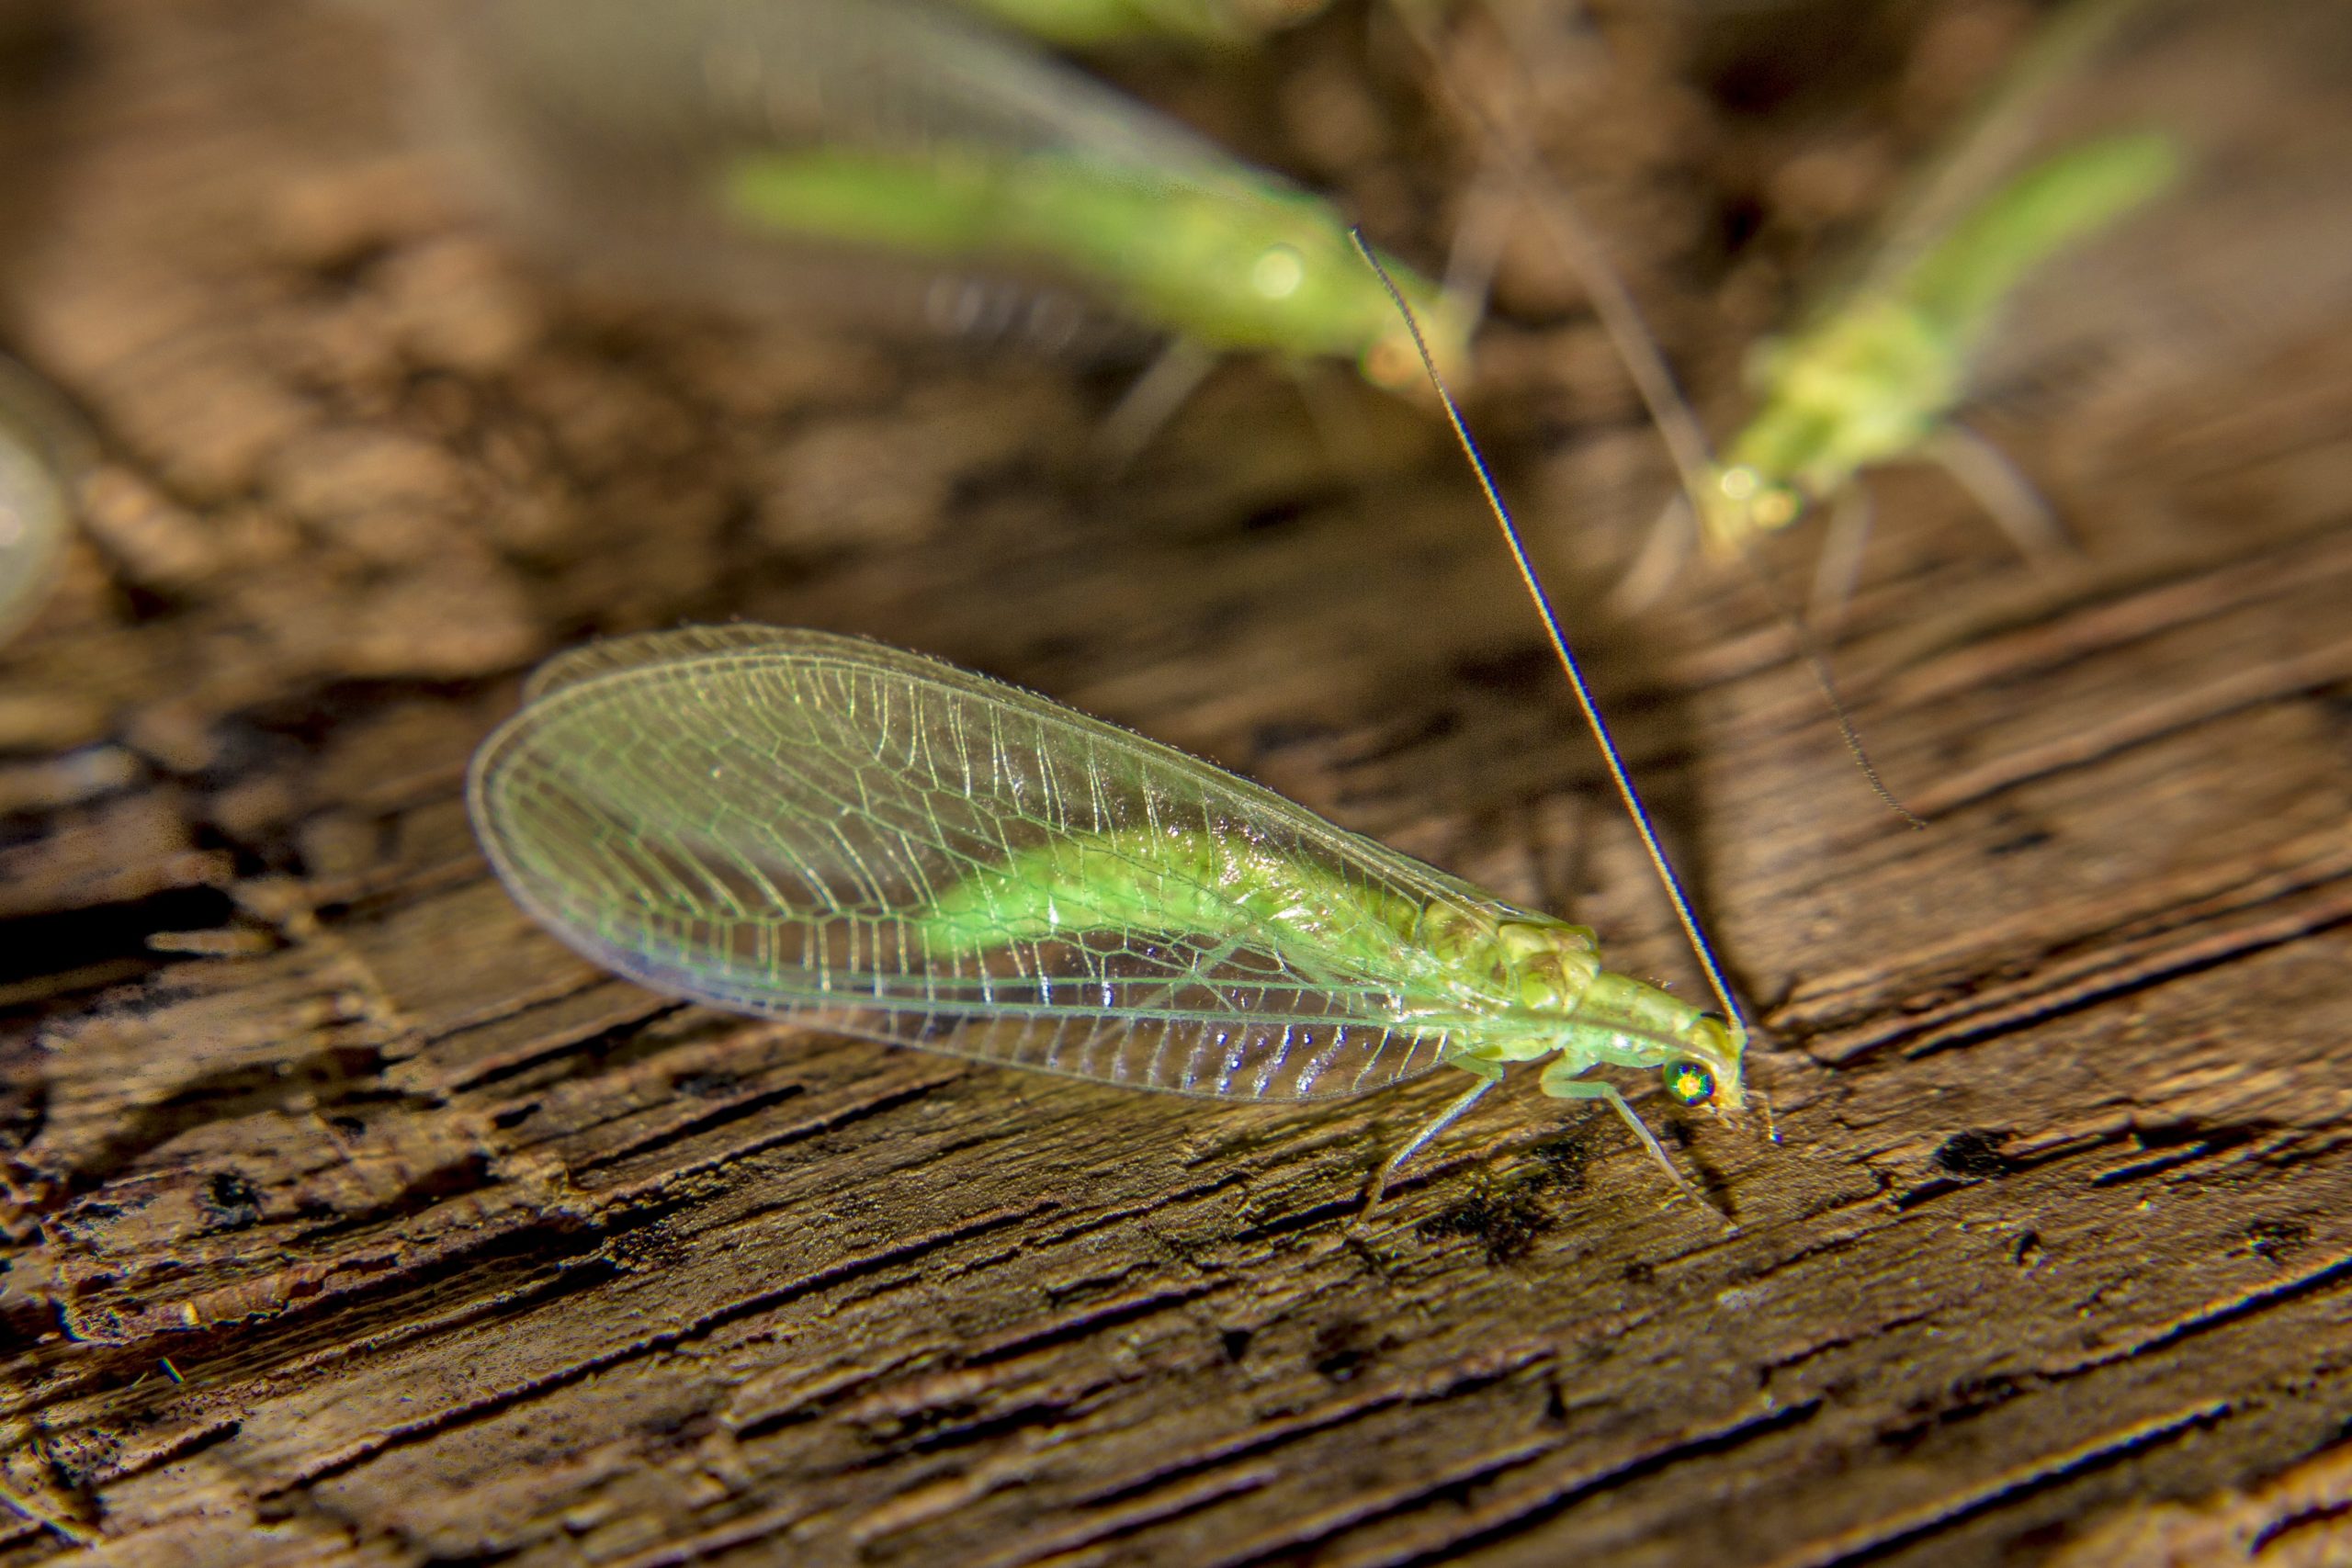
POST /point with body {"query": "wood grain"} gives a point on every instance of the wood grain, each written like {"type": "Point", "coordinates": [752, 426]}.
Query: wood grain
{"type": "Point", "coordinates": [351, 1220]}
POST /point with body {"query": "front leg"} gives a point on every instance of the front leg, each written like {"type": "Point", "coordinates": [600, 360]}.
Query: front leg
{"type": "Point", "coordinates": [1662, 556]}
{"type": "Point", "coordinates": [1560, 1082]}
{"type": "Point", "coordinates": [1840, 566]}
{"type": "Point", "coordinates": [1984, 471]}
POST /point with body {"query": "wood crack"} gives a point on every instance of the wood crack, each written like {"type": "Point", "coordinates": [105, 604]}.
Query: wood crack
{"type": "Point", "coordinates": [475, 1411]}
{"type": "Point", "coordinates": [1883, 1535]}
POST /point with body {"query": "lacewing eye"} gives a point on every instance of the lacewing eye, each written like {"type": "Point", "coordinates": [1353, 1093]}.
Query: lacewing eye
{"type": "Point", "coordinates": [1690, 1083]}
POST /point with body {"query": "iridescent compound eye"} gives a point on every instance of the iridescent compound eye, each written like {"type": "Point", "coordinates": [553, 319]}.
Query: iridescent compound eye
{"type": "Point", "coordinates": [1690, 1083]}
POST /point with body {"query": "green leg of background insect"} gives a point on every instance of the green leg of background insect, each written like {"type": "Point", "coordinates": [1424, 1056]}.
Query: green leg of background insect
{"type": "Point", "coordinates": [1664, 551]}
{"type": "Point", "coordinates": [1840, 566]}
{"type": "Point", "coordinates": [1560, 1082]}
{"type": "Point", "coordinates": [1147, 406]}
{"type": "Point", "coordinates": [1986, 474]}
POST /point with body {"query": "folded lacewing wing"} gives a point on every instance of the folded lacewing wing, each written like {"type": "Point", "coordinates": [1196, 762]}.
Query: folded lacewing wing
{"type": "Point", "coordinates": [1082, 24]}
{"type": "Point", "coordinates": [44, 451]}
{"type": "Point", "coordinates": [896, 158]}
{"type": "Point", "coordinates": [2154, 184]}
{"type": "Point", "coordinates": [802, 824]}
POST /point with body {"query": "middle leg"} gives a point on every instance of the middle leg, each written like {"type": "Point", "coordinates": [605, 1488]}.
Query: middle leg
{"type": "Point", "coordinates": [1488, 1074]}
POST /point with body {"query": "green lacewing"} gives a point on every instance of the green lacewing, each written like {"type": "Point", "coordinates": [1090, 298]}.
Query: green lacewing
{"type": "Point", "coordinates": [1881, 364]}
{"type": "Point", "coordinates": [796, 824]}
{"type": "Point", "coordinates": [849, 149]}
{"type": "Point", "coordinates": [1878, 378]}
{"type": "Point", "coordinates": [2178, 164]}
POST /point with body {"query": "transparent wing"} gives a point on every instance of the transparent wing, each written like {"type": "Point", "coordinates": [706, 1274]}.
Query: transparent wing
{"type": "Point", "coordinates": [607, 655]}
{"type": "Point", "coordinates": [760, 818]}
{"type": "Point", "coordinates": [598, 126]}
{"type": "Point", "coordinates": [900, 74]}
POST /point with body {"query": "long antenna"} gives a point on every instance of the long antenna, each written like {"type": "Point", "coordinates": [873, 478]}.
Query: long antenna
{"type": "Point", "coordinates": [1534, 585]}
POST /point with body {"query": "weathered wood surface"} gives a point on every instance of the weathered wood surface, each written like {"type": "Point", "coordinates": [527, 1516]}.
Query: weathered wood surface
{"type": "Point", "coordinates": [352, 1220]}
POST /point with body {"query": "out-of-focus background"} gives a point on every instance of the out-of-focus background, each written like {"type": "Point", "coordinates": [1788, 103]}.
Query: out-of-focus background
{"type": "Point", "coordinates": [349, 1218]}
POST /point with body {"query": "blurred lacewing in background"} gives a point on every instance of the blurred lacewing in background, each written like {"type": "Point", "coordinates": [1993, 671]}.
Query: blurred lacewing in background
{"type": "Point", "coordinates": [2132, 199]}
{"type": "Point", "coordinates": [897, 159]}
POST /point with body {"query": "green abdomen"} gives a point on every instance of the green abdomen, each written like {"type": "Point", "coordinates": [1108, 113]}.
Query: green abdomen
{"type": "Point", "coordinates": [1523, 973]}
{"type": "Point", "coordinates": [2072, 194]}
{"type": "Point", "coordinates": [1185, 883]}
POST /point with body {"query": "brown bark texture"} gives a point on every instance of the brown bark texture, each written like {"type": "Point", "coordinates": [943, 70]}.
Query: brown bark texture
{"type": "Point", "coordinates": [350, 1219]}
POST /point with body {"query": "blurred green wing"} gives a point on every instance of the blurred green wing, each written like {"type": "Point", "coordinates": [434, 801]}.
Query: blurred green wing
{"type": "Point", "coordinates": [2001, 137]}
{"type": "Point", "coordinates": [873, 74]}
